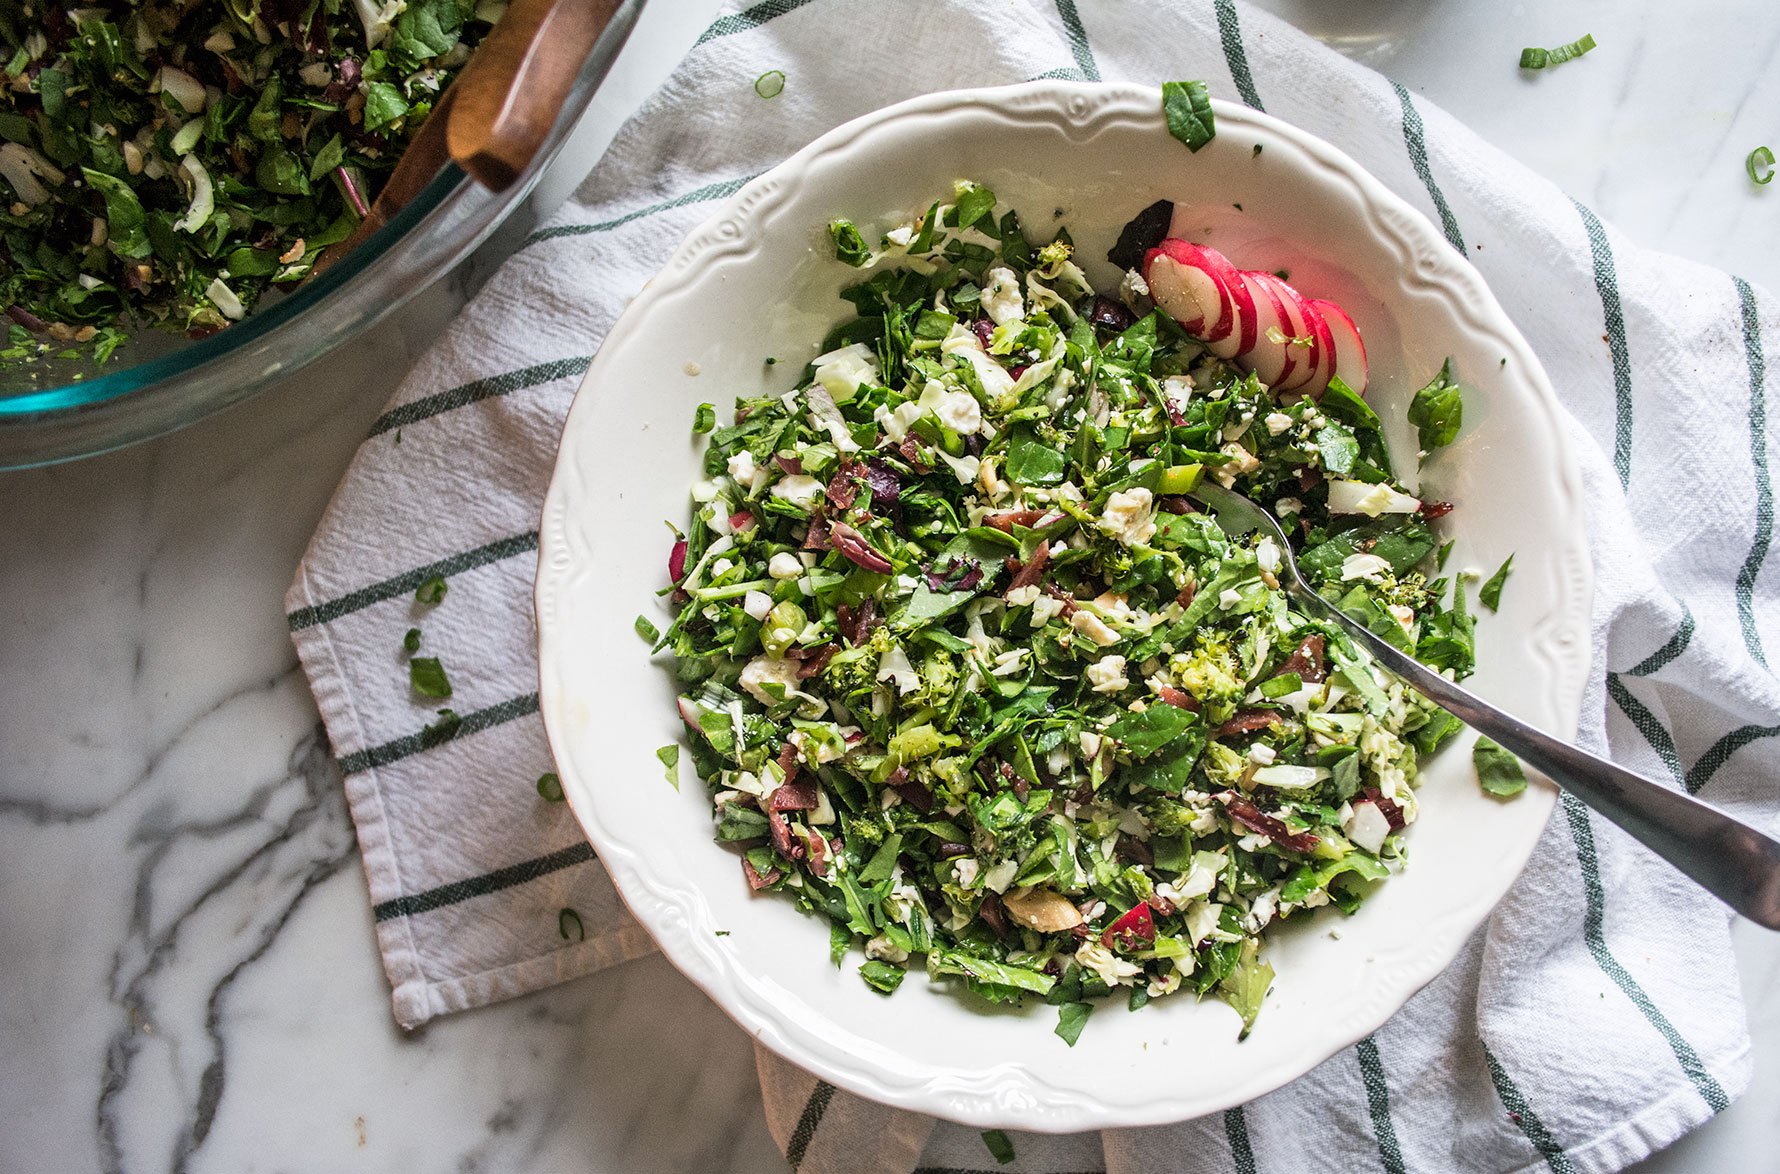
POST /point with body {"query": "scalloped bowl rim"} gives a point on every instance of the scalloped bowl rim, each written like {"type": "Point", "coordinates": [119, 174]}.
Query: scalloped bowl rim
{"type": "Point", "coordinates": [677, 915]}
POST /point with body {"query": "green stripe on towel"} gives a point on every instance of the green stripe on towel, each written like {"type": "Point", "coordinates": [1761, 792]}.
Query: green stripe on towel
{"type": "Point", "coordinates": [711, 191]}
{"type": "Point", "coordinates": [1235, 56]}
{"type": "Point", "coordinates": [1613, 316]}
{"type": "Point", "coordinates": [748, 18]}
{"type": "Point", "coordinates": [411, 744]}
{"type": "Point", "coordinates": [494, 385]}
{"type": "Point", "coordinates": [1524, 1119]}
{"type": "Point", "coordinates": [481, 886]}
{"type": "Point", "coordinates": [1701, 772]}
{"type": "Point", "coordinates": [407, 581]}
{"type": "Point", "coordinates": [1677, 644]}
{"type": "Point", "coordinates": [1415, 139]}
{"type": "Point", "coordinates": [1242, 1155]}
{"type": "Point", "coordinates": [808, 1123]}
{"type": "Point", "coordinates": [1646, 724]}
{"type": "Point", "coordinates": [1582, 832]}
{"type": "Point", "coordinates": [1758, 452]}
{"type": "Point", "coordinates": [1078, 40]}
{"type": "Point", "coordinates": [1378, 1103]}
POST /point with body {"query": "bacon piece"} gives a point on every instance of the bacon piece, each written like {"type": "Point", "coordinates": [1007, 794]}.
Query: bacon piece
{"type": "Point", "coordinates": [1179, 698]}
{"type": "Point", "coordinates": [1110, 315]}
{"type": "Point", "coordinates": [784, 843]}
{"type": "Point", "coordinates": [1134, 927]}
{"type": "Point", "coordinates": [1174, 503]}
{"type": "Point", "coordinates": [757, 882]}
{"type": "Point", "coordinates": [1436, 509]}
{"type": "Point", "coordinates": [843, 487]}
{"type": "Point", "coordinates": [812, 660]}
{"type": "Point", "coordinates": [857, 623]}
{"type": "Point", "coordinates": [1187, 594]}
{"type": "Point", "coordinates": [1027, 575]}
{"type": "Point", "coordinates": [818, 856]}
{"type": "Point", "coordinates": [993, 915]}
{"type": "Point", "coordinates": [1256, 820]}
{"type": "Point", "coordinates": [852, 544]}
{"type": "Point", "coordinates": [911, 451]}
{"type": "Point", "coordinates": [1056, 592]}
{"type": "Point", "coordinates": [817, 537]}
{"type": "Point", "coordinates": [788, 465]}
{"type": "Point", "coordinates": [1309, 479]}
{"type": "Point", "coordinates": [788, 760]}
{"type": "Point", "coordinates": [1393, 814]}
{"type": "Point", "coordinates": [796, 793]}
{"type": "Point", "coordinates": [883, 482]}
{"type": "Point", "coordinates": [1005, 522]}
{"type": "Point", "coordinates": [1306, 660]}
{"type": "Point", "coordinates": [1247, 721]}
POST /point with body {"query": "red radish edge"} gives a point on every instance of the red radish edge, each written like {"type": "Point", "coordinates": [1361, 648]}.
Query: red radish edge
{"type": "Point", "coordinates": [1344, 331]}
{"type": "Point", "coordinates": [1268, 360]}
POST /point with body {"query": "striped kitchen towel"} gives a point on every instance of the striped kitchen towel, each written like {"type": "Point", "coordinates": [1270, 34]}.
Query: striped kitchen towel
{"type": "Point", "coordinates": [1594, 1018]}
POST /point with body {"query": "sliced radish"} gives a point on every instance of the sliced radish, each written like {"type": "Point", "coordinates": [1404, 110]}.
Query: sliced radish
{"type": "Point", "coordinates": [1306, 323]}
{"type": "Point", "coordinates": [1195, 287]}
{"type": "Point", "coordinates": [1269, 360]}
{"type": "Point", "coordinates": [1246, 321]}
{"type": "Point", "coordinates": [1185, 292]}
{"type": "Point", "coordinates": [1350, 351]}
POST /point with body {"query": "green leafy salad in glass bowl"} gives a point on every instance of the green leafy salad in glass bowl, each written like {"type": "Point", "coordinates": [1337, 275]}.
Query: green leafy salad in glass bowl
{"type": "Point", "coordinates": [968, 673]}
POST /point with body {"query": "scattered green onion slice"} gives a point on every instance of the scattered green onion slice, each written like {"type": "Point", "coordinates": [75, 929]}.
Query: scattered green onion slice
{"type": "Point", "coordinates": [770, 84]}
{"type": "Point", "coordinates": [411, 641]}
{"type": "Point", "coordinates": [1760, 165]}
{"type": "Point", "coordinates": [999, 1145]}
{"type": "Point", "coordinates": [704, 419]}
{"type": "Point", "coordinates": [648, 631]}
{"type": "Point", "coordinates": [550, 787]}
{"type": "Point", "coordinates": [431, 591]}
{"type": "Point", "coordinates": [568, 918]}
{"type": "Point", "coordinates": [1543, 58]}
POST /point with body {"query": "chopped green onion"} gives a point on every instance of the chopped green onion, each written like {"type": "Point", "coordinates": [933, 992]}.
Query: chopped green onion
{"type": "Point", "coordinates": [1760, 165]}
{"type": "Point", "coordinates": [411, 642]}
{"type": "Point", "coordinates": [431, 591]}
{"type": "Point", "coordinates": [567, 918]}
{"type": "Point", "coordinates": [1542, 58]}
{"type": "Point", "coordinates": [1187, 108]}
{"type": "Point", "coordinates": [999, 1146]}
{"type": "Point", "coordinates": [849, 246]}
{"type": "Point", "coordinates": [770, 84]}
{"type": "Point", "coordinates": [648, 631]}
{"type": "Point", "coordinates": [704, 419]}
{"type": "Point", "coordinates": [550, 787]}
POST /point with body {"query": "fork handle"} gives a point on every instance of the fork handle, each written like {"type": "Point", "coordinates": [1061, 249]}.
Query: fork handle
{"type": "Point", "coordinates": [1730, 859]}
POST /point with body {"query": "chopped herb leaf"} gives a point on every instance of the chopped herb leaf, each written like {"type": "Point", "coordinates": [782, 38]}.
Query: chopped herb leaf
{"type": "Point", "coordinates": [442, 730]}
{"type": "Point", "coordinates": [427, 676]}
{"type": "Point", "coordinates": [1437, 411]}
{"type": "Point", "coordinates": [431, 591]}
{"type": "Point", "coordinates": [1491, 593]}
{"type": "Point", "coordinates": [1498, 771]}
{"type": "Point", "coordinates": [670, 761]}
{"type": "Point", "coordinates": [1187, 107]}
{"type": "Point", "coordinates": [881, 976]}
{"type": "Point", "coordinates": [999, 1146]}
{"type": "Point", "coordinates": [1071, 1018]}
{"type": "Point", "coordinates": [550, 787]}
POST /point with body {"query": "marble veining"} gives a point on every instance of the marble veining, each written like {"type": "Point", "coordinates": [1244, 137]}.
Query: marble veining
{"type": "Point", "coordinates": [188, 975]}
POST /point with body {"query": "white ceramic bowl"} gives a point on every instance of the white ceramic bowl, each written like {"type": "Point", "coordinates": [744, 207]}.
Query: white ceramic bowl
{"type": "Point", "coordinates": [759, 279]}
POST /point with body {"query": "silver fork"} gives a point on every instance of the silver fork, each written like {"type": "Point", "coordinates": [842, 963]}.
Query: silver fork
{"type": "Point", "coordinates": [1725, 856]}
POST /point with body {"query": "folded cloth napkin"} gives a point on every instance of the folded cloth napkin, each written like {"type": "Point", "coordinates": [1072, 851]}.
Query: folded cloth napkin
{"type": "Point", "coordinates": [1593, 1019]}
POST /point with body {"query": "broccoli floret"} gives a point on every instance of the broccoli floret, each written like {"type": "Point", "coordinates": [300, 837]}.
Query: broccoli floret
{"type": "Point", "coordinates": [1209, 671]}
{"type": "Point", "coordinates": [1223, 766]}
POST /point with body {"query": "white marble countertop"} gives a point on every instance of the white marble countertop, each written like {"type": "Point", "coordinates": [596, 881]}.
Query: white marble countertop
{"type": "Point", "coordinates": [188, 979]}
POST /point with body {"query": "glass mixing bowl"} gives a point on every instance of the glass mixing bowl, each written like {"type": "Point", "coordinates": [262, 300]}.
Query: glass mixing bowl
{"type": "Point", "coordinates": [159, 382]}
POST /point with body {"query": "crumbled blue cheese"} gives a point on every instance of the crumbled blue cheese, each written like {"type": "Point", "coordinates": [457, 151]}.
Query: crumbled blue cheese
{"type": "Point", "coordinates": [1361, 565]}
{"type": "Point", "coordinates": [1277, 422]}
{"type": "Point", "coordinates": [764, 671]}
{"type": "Point", "coordinates": [1130, 516]}
{"type": "Point", "coordinates": [1357, 497]}
{"type": "Point", "coordinates": [1112, 969]}
{"type": "Point", "coordinates": [1093, 627]}
{"type": "Point", "coordinates": [758, 605]}
{"type": "Point", "coordinates": [1023, 596]}
{"type": "Point", "coordinates": [798, 489]}
{"type": "Point", "coordinates": [1001, 297]}
{"type": "Point", "coordinates": [746, 473]}
{"type": "Point", "coordinates": [1107, 675]}
{"type": "Point", "coordinates": [784, 565]}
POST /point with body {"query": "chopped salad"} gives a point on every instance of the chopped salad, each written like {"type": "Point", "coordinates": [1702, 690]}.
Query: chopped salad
{"type": "Point", "coordinates": [969, 675]}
